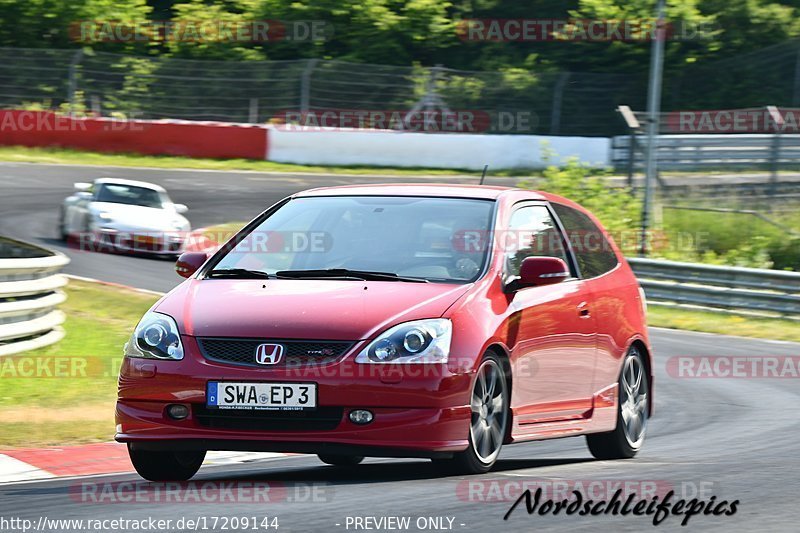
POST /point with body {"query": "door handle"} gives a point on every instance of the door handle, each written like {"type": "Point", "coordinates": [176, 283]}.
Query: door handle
{"type": "Point", "coordinates": [583, 310]}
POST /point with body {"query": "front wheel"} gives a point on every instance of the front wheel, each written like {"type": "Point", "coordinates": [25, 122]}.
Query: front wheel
{"type": "Point", "coordinates": [167, 465]}
{"type": "Point", "coordinates": [632, 410]}
{"type": "Point", "coordinates": [489, 420]}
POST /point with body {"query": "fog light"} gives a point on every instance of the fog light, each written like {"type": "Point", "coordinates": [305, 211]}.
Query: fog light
{"type": "Point", "coordinates": [361, 416]}
{"type": "Point", "coordinates": [177, 411]}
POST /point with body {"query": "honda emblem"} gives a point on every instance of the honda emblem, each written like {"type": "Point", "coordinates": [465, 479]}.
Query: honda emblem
{"type": "Point", "coordinates": [269, 354]}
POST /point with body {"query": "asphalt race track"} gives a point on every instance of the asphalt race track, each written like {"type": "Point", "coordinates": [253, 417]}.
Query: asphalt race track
{"type": "Point", "coordinates": [734, 439]}
{"type": "Point", "coordinates": [30, 196]}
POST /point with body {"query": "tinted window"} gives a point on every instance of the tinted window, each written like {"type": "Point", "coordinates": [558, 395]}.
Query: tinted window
{"type": "Point", "coordinates": [116, 193]}
{"type": "Point", "coordinates": [592, 250]}
{"type": "Point", "coordinates": [409, 236]}
{"type": "Point", "coordinates": [531, 232]}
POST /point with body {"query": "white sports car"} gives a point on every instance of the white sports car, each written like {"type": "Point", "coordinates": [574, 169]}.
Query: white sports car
{"type": "Point", "coordinates": [124, 215]}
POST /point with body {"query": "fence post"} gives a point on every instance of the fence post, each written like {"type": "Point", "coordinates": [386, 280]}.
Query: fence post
{"type": "Point", "coordinates": [72, 86]}
{"type": "Point", "coordinates": [631, 158]}
{"type": "Point", "coordinates": [796, 87]}
{"type": "Point", "coordinates": [305, 86]}
{"type": "Point", "coordinates": [95, 104]}
{"type": "Point", "coordinates": [253, 114]}
{"type": "Point", "coordinates": [558, 98]}
{"type": "Point", "coordinates": [633, 126]}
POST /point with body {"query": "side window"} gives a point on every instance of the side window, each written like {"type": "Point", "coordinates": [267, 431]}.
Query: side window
{"type": "Point", "coordinates": [592, 250]}
{"type": "Point", "coordinates": [531, 232]}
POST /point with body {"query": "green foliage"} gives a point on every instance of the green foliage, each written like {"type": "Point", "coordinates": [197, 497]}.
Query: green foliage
{"type": "Point", "coordinates": [617, 208]}
{"type": "Point", "coordinates": [404, 32]}
{"type": "Point", "coordinates": [738, 239]}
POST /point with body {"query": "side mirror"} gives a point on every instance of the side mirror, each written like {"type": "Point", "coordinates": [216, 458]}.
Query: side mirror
{"type": "Point", "coordinates": [189, 263]}
{"type": "Point", "coordinates": [82, 186]}
{"type": "Point", "coordinates": [536, 271]}
{"type": "Point", "coordinates": [180, 208]}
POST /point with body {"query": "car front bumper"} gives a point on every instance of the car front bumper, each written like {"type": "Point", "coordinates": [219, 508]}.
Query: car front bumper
{"type": "Point", "coordinates": [419, 410]}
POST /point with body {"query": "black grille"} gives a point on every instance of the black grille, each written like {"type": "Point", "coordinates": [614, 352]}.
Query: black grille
{"type": "Point", "coordinates": [320, 419]}
{"type": "Point", "coordinates": [296, 353]}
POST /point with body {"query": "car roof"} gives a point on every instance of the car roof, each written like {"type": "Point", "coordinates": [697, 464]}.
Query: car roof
{"type": "Point", "coordinates": [132, 183]}
{"type": "Point", "coordinates": [445, 190]}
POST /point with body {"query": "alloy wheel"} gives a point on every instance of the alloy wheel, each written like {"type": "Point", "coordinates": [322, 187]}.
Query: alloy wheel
{"type": "Point", "coordinates": [633, 399]}
{"type": "Point", "coordinates": [489, 413]}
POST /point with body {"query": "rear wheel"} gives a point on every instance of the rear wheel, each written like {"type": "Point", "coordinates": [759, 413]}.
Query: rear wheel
{"type": "Point", "coordinates": [489, 420]}
{"type": "Point", "coordinates": [166, 465]}
{"type": "Point", "coordinates": [627, 438]}
{"type": "Point", "coordinates": [340, 460]}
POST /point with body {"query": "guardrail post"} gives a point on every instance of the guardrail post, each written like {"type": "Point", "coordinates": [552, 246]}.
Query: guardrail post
{"type": "Point", "coordinates": [775, 153]}
{"type": "Point", "coordinates": [631, 158]}
{"type": "Point", "coordinates": [72, 87]}
{"type": "Point", "coordinates": [776, 162]}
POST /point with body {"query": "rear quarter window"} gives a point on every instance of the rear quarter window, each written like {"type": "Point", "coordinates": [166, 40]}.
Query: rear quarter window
{"type": "Point", "coordinates": [593, 251]}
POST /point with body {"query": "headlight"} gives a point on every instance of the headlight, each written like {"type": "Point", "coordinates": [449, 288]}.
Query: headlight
{"type": "Point", "coordinates": [104, 217]}
{"type": "Point", "coordinates": [420, 341]}
{"type": "Point", "coordinates": [155, 337]}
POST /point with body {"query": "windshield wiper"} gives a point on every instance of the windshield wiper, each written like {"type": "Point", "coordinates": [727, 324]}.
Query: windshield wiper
{"type": "Point", "coordinates": [238, 273]}
{"type": "Point", "coordinates": [365, 275]}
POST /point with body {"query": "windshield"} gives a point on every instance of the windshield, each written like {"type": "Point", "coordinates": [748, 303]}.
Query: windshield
{"type": "Point", "coordinates": [406, 236]}
{"type": "Point", "coordinates": [128, 194]}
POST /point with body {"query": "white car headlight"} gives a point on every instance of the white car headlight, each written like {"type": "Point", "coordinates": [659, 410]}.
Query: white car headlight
{"type": "Point", "coordinates": [420, 341]}
{"type": "Point", "coordinates": [155, 337]}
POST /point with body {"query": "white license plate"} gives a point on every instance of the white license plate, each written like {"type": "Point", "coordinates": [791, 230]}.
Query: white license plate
{"type": "Point", "coordinates": [261, 396]}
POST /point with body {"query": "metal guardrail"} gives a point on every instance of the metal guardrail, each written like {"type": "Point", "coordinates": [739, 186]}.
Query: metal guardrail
{"type": "Point", "coordinates": [701, 152]}
{"type": "Point", "coordinates": [719, 287]}
{"type": "Point", "coordinates": [30, 292]}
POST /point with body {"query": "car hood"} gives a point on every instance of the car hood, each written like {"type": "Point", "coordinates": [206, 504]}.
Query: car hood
{"type": "Point", "coordinates": [303, 309]}
{"type": "Point", "coordinates": [138, 216]}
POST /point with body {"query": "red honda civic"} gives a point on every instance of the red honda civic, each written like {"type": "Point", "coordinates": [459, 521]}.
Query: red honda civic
{"type": "Point", "coordinates": [438, 321]}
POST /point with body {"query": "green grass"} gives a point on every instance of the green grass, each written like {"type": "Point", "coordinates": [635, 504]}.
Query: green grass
{"type": "Point", "coordinates": [22, 154]}
{"type": "Point", "coordinates": [55, 410]}
{"type": "Point", "coordinates": [723, 323]}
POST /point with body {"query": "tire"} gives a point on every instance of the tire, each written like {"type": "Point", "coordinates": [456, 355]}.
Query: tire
{"type": "Point", "coordinates": [489, 402]}
{"type": "Point", "coordinates": [340, 460]}
{"type": "Point", "coordinates": [166, 466]}
{"type": "Point", "coordinates": [625, 441]}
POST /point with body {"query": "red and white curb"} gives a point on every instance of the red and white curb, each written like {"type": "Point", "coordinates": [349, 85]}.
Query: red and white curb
{"type": "Point", "coordinates": [30, 464]}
